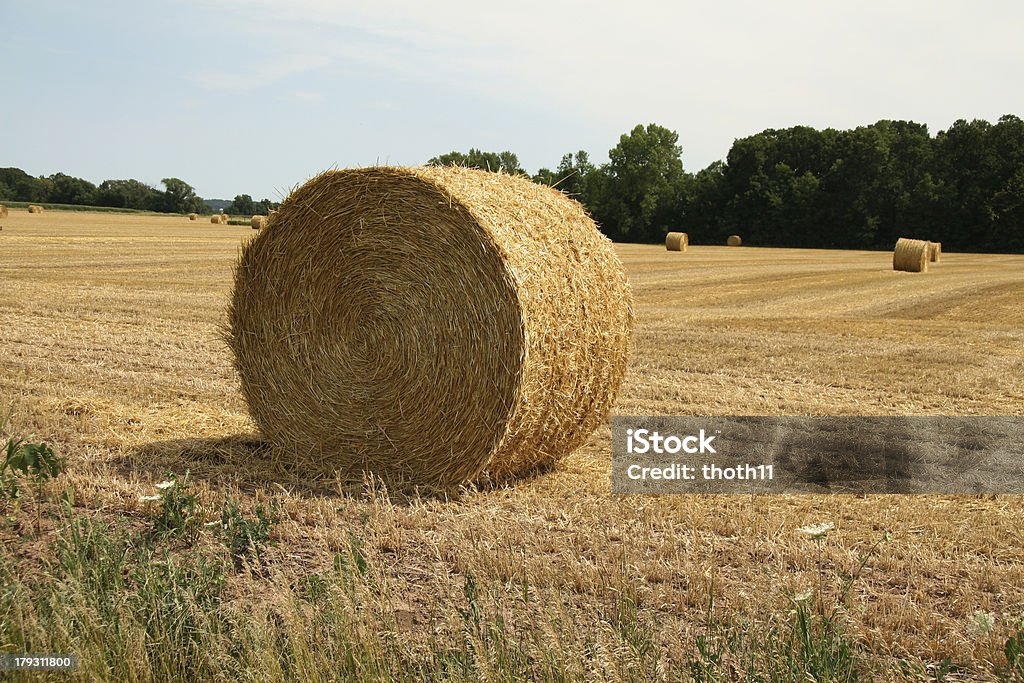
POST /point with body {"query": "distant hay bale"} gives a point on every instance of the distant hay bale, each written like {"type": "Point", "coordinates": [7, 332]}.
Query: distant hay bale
{"type": "Point", "coordinates": [677, 241]}
{"type": "Point", "coordinates": [193, 216]}
{"type": "Point", "coordinates": [216, 219]}
{"type": "Point", "coordinates": [258, 222]}
{"type": "Point", "coordinates": [33, 208]}
{"type": "Point", "coordinates": [430, 325]}
{"type": "Point", "coordinates": [734, 241]}
{"type": "Point", "coordinates": [910, 255]}
{"type": "Point", "coordinates": [935, 251]}
{"type": "Point", "coordinates": [3, 211]}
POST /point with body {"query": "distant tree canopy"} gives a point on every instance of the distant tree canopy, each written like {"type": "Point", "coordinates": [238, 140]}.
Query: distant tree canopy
{"type": "Point", "coordinates": [802, 187]}
{"type": "Point", "coordinates": [125, 194]}
{"type": "Point", "coordinates": [865, 187]}
{"type": "Point", "coordinates": [176, 197]}
{"type": "Point", "coordinates": [637, 196]}
{"type": "Point", "coordinates": [506, 161]}
{"type": "Point", "coordinates": [59, 188]}
{"type": "Point", "coordinates": [243, 205]}
{"type": "Point", "coordinates": [179, 197]}
{"type": "Point", "coordinates": [792, 187]}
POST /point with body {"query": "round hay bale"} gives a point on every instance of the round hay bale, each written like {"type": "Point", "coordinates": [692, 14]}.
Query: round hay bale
{"type": "Point", "coordinates": [935, 251]}
{"type": "Point", "coordinates": [33, 208]}
{"type": "Point", "coordinates": [677, 241]}
{"type": "Point", "coordinates": [734, 241]}
{"type": "Point", "coordinates": [910, 255]}
{"type": "Point", "coordinates": [216, 219]}
{"type": "Point", "coordinates": [430, 325]}
{"type": "Point", "coordinates": [193, 216]}
{"type": "Point", "coordinates": [258, 222]}
{"type": "Point", "coordinates": [3, 211]}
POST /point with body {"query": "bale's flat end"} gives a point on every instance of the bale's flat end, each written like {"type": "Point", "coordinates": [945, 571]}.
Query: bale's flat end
{"type": "Point", "coordinates": [429, 325]}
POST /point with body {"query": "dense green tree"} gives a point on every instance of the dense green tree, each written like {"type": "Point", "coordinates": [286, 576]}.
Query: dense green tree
{"type": "Point", "coordinates": [506, 161]}
{"type": "Point", "coordinates": [180, 197]}
{"type": "Point", "coordinates": [16, 185]}
{"type": "Point", "coordinates": [242, 205]}
{"type": "Point", "coordinates": [65, 189]}
{"type": "Point", "coordinates": [265, 206]}
{"type": "Point", "coordinates": [573, 173]}
{"type": "Point", "coordinates": [126, 194]}
{"type": "Point", "coordinates": [637, 196]}
{"type": "Point", "coordinates": [545, 176]}
{"type": "Point", "coordinates": [1005, 204]}
{"type": "Point", "coordinates": [704, 198]}
{"type": "Point", "coordinates": [570, 177]}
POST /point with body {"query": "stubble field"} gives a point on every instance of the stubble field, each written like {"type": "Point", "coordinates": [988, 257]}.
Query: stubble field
{"type": "Point", "coordinates": [111, 350]}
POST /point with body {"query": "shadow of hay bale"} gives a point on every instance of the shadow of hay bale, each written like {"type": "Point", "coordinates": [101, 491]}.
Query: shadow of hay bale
{"type": "Point", "coordinates": [239, 458]}
{"type": "Point", "coordinates": [249, 462]}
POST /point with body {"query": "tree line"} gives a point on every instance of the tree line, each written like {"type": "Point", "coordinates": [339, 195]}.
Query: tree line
{"type": "Point", "coordinates": [801, 187]}
{"type": "Point", "coordinates": [793, 187]}
{"type": "Point", "coordinates": [177, 196]}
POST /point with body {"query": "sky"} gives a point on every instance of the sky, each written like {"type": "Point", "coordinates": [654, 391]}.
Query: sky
{"type": "Point", "coordinates": [256, 96]}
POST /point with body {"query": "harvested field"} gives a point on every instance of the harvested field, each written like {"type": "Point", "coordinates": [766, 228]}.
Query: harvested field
{"type": "Point", "coordinates": [111, 350]}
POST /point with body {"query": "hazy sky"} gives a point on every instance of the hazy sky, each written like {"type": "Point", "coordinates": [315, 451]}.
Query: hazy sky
{"type": "Point", "coordinates": [254, 96]}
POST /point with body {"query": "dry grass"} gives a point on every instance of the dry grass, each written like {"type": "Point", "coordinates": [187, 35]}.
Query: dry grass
{"type": "Point", "coordinates": [734, 241]}
{"type": "Point", "coordinates": [110, 349]}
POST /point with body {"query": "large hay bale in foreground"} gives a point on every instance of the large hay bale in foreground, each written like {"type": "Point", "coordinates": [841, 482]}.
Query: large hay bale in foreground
{"type": "Point", "coordinates": [258, 222]}
{"type": "Point", "coordinates": [677, 241]}
{"type": "Point", "coordinates": [910, 255]}
{"type": "Point", "coordinates": [734, 241]}
{"type": "Point", "coordinates": [429, 325]}
{"type": "Point", "coordinates": [935, 251]}
{"type": "Point", "coordinates": [33, 208]}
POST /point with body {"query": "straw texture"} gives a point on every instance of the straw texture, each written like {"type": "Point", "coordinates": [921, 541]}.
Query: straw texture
{"type": "Point", "coordinates": [430, 325]}
{"type": "Point", "coordinates": [935, 251]}
{"type": "Point", "coordinates": [911, 255]}
{"type": "Point", "coordinates": [677, 241]}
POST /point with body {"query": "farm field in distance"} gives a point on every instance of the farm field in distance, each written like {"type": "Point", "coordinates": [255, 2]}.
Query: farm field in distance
{"type": "Point", "coordinates": [112, 351]}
